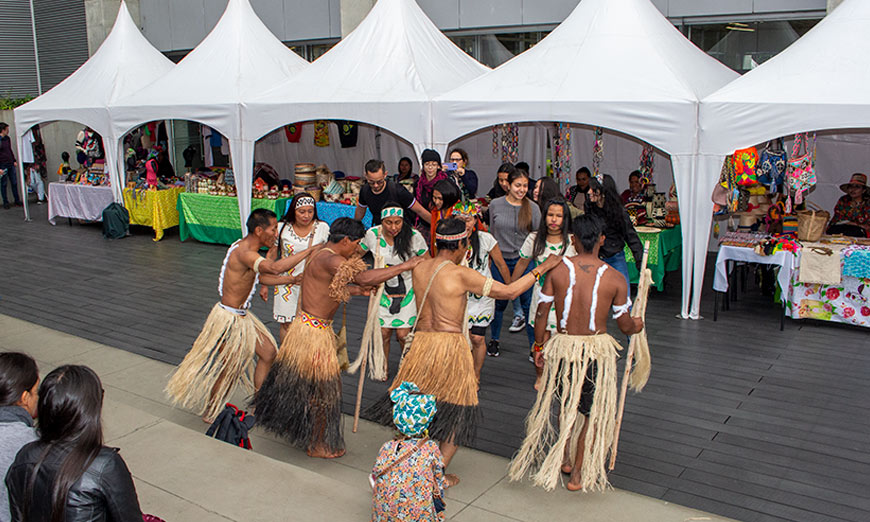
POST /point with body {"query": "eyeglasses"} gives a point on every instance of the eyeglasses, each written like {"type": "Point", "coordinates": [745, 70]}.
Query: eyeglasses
{"type": "Point", "coordinates": [376, 183]}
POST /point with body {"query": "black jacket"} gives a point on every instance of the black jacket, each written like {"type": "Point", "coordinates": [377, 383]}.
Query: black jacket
{"type": "Point", "coordinates": [618, 233]}
{"type": "Point", "coordinates": [104, 493]}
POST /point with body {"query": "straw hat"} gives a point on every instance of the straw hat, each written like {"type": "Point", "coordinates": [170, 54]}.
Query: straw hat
{"type": "Point", "coordinates": [857, 179]}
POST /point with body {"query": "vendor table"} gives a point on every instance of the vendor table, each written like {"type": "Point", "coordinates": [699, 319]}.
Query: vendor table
{"type": "Point", "coordinates": [847, 302]}
{"type": "Point", "coordinates": [329, 212]}
{"type": "Point", "coordinates": [215, 219]}
{"type": "Point", "coordinates": [157, 209]}
{"type": "Point", "coordinates": [71, 200]}
{"type": "Point", "coordinates": [665, 254]}
{"type": "Point", "coordinates": [729, 255]}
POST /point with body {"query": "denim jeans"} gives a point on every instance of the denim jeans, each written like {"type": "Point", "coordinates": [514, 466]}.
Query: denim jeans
{"type": "Point", "coordinates": [618, 262]}
{"type": "Point", "coordinates": [524, 300]}
{"type": "Point", "coordinates": [11, 177]}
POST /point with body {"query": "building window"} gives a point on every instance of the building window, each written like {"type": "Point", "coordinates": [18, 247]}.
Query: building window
{"type": "Point", "coordinates": [494, 49]}
{"type": "Point", "coordinates": [744, 46]}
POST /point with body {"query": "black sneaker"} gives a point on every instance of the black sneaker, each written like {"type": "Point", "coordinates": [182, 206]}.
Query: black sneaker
{"type": "Point", "coordinates": [492, 348]}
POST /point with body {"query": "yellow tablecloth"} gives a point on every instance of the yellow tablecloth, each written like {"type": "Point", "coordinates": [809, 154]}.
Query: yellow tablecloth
{"type": "Point", "coordinates": [153, 208]}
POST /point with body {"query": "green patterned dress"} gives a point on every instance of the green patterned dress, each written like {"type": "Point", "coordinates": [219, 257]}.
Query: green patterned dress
{"type": "Point", "coordinates": [398, 306]}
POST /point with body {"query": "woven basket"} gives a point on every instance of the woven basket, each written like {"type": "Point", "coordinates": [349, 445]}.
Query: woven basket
{"type": "Point", "coordinates": [811, 223]}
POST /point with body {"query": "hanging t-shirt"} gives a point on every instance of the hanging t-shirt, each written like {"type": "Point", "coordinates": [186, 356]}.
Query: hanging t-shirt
{"type": "Point", "coordinates": [347, 133]}
{"type": "Point", "coordinates": [375, 202]}
{"type": "Point", "coordinates": [293, 132]}
{"type": "Point", "coordinates": [27, 148]}
{"type": "Point", "coordinates": [215, 138]}
{"type": "Point", "coordinates": [321, 133]}
{"type": "Point", "coordinates": [398, 308]}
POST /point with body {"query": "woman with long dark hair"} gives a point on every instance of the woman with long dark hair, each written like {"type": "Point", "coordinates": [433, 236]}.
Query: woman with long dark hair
{"type": "Point", "coordinates": [513, 217]}
{"type": "Point", "coordinates": [396, 241]}
{"type": "Point", "coordinates": [299, 230]}
{"type": "Point", "coordinates": [19, 380]}
{"type": "Point", "coordinates": [483, 252]}
{"type": "Point", "coordinates": [68, 475]}
{"type": "Point", "coordinates": [604, 202]}
{"type": "Point", "coordinates": [444, 196]}
{"type": "Point", "coordinates": [552, 238]}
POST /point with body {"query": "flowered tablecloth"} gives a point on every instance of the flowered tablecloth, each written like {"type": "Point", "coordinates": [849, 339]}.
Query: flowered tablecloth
{"type": "Point", "coordinates": [665, 254]}
{"type": "Point", "coordinates": [153, 208]}
{"type": "Point", "coordinates": [215, 219]}
{"type": "Point", "coordinates": [848, 302]}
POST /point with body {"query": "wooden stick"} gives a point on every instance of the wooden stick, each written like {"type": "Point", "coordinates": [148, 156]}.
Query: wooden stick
{"type": "Point", "coordinates": [362, 368]}
{"type": "Point", "coordinates": [639, 308]}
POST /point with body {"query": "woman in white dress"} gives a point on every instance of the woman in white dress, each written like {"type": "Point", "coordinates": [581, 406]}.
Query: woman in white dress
{"type": "Point", "coordinates": [482, 248]}
{"type": "Point", "coordinates": [299, 230]}
{"type": "Point", "coordinates": [396, 242]}
{"type": "Point", "coordinates": [552, 238]}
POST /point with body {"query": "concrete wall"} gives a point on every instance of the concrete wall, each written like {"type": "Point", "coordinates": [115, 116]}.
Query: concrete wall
{"type": "Point", "coordinates": [101, 16]}
{"type": "Point", "coordinates": [57, 137]}
{"type": "Point", "coordinates": [180, 24]}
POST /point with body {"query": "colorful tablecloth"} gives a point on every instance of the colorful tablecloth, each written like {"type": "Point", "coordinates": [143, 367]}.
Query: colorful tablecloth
{"type": "Point", "coordinates": [215, 219]}
{"type": "Point", "coordinates": [665, 254]}
{"type": "Point", "coordinates": [157, 209]}
{"type": "Point", "coordinates": [329, 212]}
{"type": "Point", "coordinates": [75, 201]}
{"type": "Point", "coordinates": [847, 302]}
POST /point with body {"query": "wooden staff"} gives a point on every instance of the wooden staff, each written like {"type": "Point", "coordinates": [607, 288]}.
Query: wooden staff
{"type": "Point", "coordinates": [365, 346]}
{"type": "Point", "coordinates": [639, 310]}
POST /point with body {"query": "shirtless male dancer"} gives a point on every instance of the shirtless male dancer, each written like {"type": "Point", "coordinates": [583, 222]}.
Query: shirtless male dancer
{"type": "Point", "coordinates": [439, 360]}
{"type": "Point", "coordinates": [582, 355]}
{"type": "Point", "coordinates": [301, 397]}
{"type": "Point", "coordinates": [223, 353]}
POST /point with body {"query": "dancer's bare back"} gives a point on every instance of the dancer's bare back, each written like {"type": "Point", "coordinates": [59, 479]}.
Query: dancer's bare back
{"type": "Point", "coordinates": [612, 291]}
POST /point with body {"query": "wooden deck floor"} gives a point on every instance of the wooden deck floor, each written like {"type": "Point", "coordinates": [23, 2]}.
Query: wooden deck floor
{"type": "Point", "coordinates": [738, 419]}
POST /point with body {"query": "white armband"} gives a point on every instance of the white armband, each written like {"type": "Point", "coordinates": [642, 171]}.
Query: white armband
{"type": "Point", "coordinates": [544, 298]}
{"type": "Point", "coordinates": [257, 264]}
{"type": "Point", "coordinates": [619, 311]}
{"type": "Point", "coordinates": [487, 286]}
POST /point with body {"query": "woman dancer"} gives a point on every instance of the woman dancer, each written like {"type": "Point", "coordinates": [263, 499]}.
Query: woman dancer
{"type": "Point", "coordinates": [396, 242]}
{"type": "Point", "coordinates": [552, 237]}
{"type": "Point", "coordinates": [300, 230]}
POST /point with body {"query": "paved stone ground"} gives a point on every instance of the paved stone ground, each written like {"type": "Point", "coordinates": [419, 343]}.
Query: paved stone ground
{"type": "Point", "coordinates": [738, 418]}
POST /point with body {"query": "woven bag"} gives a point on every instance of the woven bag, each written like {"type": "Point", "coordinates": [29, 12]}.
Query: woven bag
{"type": "Point", "coordinates": [811, 223]}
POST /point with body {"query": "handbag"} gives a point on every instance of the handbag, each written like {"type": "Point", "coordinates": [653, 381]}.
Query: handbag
{"type": "Point", "coordinates": [745, 161]}
{"type": "Point", "coordinates": [232, 425]}
{"type": "Point", "coordinates": [771, 165]}
{"type": "Point", "coordinates": [373, 477]}
{"type": "Point", "coordinates": [801, 172]}
{"type": "Point", "coordinates": [725, 192]}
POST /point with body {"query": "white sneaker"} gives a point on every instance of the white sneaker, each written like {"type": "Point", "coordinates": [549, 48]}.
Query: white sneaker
{"type": "Point", "coordinates": [518, 324]}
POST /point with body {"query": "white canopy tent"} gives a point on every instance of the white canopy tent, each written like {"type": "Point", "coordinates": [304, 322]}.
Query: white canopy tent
{"type": "Point", "coordinates": [818, 83]}
{"type": "Point", "coordinates": [384, 73]}
{"type": "Point", "coordinates": [617, 64]}
{"type": "Point", "coordinates": [123, 64]}
{"type": "Point", "coordinates": [239, 59]}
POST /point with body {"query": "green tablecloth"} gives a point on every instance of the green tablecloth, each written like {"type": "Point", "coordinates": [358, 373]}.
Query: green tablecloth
{"type": "Point", "coordinates": [665, 254]}
{"type": "Point", "coordinates": [215, 219]}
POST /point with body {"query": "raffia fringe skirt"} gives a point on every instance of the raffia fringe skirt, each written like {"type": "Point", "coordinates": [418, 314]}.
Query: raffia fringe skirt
{"type": "Point", "coordinates": [301, 397]}
{"type": "Point", "coordinates": [222, 355]}
{"type": "Point", "coordinates": [440, 364]}
{"type": "Point", "coordinates": [568, 358]}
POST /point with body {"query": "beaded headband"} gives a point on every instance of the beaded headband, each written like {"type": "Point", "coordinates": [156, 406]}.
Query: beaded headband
{"type": "Point", "coordinates": [454, 237]}
{"type": "Point", "coordinates": [305, 201]}
{"type": "Point", "coordinates": [392, 212]}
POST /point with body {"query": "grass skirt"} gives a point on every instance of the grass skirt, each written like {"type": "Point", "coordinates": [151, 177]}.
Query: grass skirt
{"type": "Point", "coordinates": [301, 397]}
{"type": "Point", "coordinates": [440, 364]}
{"type": "Point", "coordinates": [222, 355]}
{"type": "Point", "coordinates": [567, 359]}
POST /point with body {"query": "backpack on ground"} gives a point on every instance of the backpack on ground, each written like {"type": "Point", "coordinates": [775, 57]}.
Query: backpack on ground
{"type": "Point", "coordinates": [116, 221]}
{"type": "Point", "coordinates": [232, 425]}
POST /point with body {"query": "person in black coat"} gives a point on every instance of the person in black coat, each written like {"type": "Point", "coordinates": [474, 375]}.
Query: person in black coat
{"type": "Point", "coordinates": [77, 478]}
{"type": "Point", "coordinates": [604, 202]}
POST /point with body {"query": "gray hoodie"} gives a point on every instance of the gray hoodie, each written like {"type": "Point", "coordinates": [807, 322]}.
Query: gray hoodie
{"type": "Point", "coordinates": [16, 430]}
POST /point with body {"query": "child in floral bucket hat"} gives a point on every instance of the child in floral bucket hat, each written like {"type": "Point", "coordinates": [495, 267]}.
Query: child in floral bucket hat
{"type": "Point", "coordinates": [408, 478]}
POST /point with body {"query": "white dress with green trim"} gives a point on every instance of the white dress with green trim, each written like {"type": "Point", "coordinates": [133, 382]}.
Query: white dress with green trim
{"type": "Point", "coordinates": [481, 309]}
{"type": "Point", "coordinates": [526, 253]}
{"type": "Point", "coordinates": [398, 306]}
{"type": "Point", "coordinates": [287, 296]}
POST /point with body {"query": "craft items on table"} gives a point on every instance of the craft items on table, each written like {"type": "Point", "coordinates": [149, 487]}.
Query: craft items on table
{"type": "Point", "coordinates": [215, 219]}
{"type": "Point", "coordinates": [742, 239]}
{"type": "Point", "coordinates": [665, 253]}
{"type": "Point", "coordinates": [153, 208]}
